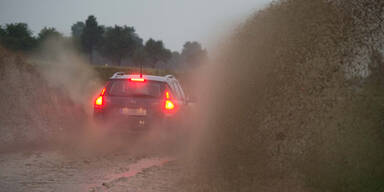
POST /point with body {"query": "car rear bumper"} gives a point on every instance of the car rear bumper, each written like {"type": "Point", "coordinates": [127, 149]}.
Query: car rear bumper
{"type": "Point", "coordinates": [132, 123]}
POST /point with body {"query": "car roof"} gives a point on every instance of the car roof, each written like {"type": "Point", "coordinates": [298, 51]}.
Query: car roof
{"type": "Point", "coordinates": [122, 75]}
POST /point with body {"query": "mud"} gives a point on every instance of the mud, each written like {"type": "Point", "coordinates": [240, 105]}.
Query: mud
{"type": "Point", "coordinates": [55, 171]}
{"type": "Point", "coordinates": [295, 101]}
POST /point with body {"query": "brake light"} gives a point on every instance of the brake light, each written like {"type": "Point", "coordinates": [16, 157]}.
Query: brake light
{"type": "Point", "coordinates": [137, 79]}
{"type": "Point", "coordinates": [103, 92]}
{"type": "Point", "coordinates": [169, 105]}
{"type": "Point", "coordinates": [99, 102]}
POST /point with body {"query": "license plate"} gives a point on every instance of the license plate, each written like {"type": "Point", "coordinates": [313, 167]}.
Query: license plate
{"type": "Point", "coordinates": [134, 112]}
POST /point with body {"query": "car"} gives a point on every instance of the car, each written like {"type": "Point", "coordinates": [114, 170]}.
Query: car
{"type": "Point", "coordinates": [139, 101]}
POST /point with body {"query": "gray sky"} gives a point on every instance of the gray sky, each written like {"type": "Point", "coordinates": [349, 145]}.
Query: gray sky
{"type": "Point", "coordinates": [173, 21]}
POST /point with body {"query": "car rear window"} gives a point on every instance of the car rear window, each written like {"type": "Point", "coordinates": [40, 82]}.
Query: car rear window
{"type": "Point", "coordinates": [125, 88]}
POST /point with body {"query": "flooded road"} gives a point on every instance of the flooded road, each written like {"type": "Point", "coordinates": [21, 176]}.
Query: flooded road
{"type": "Point", "coordinates": [56, 171]}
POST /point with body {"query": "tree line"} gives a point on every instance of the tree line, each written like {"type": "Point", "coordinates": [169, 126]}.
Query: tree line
{"type": "Point", "coordinates": [115, 45]}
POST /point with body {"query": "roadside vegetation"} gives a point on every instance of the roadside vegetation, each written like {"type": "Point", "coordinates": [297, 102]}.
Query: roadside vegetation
{"type": "Point", "coordinates": [105, 45]}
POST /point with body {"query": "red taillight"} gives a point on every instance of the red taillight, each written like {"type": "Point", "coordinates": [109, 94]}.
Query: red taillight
{"type": "Point", "coordinates": [169, 105]}
{"type": "Point", "coordinates": [103, 92]}
{"type": "Point", "coordinates": [99, 102]}
{"type": "Point", "coordinates": [167, 95]}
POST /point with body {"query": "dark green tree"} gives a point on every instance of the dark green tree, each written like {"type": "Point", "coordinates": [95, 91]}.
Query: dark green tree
{"type": "Point", "coordinates": [139, 56]}
{"type": "Point", "coordinates": [77, 31]}
{"type": "Point", "coordinates": [49, 33]}
{"type": "Point", "coordinates": [17, 37]}
{"type": "Point", "coordinates": [120, 42]}
{"type": "Point", "coordinates": [175, 61]}
{"type": "Point", "coordinates": [156, 52]}
{"type": "Point", "coordinates": [91, 36]}
{"type": "Point", "coordinates": [193, 54]}
{"type": "Point", "coordinates": [2, 32]}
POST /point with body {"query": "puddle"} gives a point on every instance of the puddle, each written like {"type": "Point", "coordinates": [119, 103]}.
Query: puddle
{"type": "Point", "coordinates": [136, 168]}
{"type": "Point", "coordinates": [139, 166]}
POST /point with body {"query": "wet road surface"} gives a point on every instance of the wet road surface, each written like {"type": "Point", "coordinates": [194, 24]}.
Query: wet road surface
{"type": "Point", "coordinates": [57, 171]}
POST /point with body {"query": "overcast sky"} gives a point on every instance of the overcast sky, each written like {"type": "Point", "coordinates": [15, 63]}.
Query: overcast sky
{"type": "Point", "coordinates": [173, 21]}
